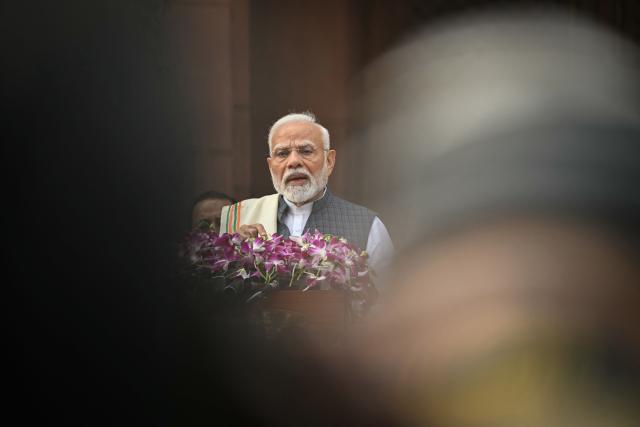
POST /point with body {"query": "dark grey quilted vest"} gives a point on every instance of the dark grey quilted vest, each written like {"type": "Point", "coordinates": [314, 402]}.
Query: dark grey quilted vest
{"type": "Point", "coordinates": [333, 215]}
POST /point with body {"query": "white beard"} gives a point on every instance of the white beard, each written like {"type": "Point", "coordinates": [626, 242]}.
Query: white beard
{"type": "Point", "coordinates": [300, 194]}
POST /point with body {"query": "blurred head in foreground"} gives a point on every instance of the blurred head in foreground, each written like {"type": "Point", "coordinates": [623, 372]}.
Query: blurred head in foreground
{"type": "Point", "coordinates": [513, 181]}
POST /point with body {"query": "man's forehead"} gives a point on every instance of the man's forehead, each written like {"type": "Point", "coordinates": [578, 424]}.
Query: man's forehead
{"type": "Point", "coordinates": [298, 130]}
{"type": "Point", "coordinates": [287, 143]}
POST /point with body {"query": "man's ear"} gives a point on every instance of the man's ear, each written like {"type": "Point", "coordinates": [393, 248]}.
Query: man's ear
{"type": "Point", "coordinates": [331, 160]}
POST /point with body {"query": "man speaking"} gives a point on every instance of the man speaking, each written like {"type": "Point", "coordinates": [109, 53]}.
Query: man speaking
{"type": "Point", "coordinates": [301, 161]}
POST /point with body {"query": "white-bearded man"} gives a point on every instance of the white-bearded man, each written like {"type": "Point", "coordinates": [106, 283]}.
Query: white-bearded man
{"type": "Point", "coordinates": [301, 161]}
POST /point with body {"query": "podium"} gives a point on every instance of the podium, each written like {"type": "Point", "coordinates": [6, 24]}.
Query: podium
{"type": "Point", "coordinates": [322, 315]}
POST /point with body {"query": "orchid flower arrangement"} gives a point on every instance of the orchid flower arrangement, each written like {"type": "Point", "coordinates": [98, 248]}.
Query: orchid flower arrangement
{"type": "Point", "coordinates": [277, 262]}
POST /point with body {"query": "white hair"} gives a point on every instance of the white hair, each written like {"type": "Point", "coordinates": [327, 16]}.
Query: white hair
{"type": "Point", "coordinates": [299, 117]}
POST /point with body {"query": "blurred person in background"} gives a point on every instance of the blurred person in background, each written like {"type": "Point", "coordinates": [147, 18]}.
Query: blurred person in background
{"type": "Point", "coordinates": [206, 209]}
{"type": "Point", "coordinates": [512, 183]}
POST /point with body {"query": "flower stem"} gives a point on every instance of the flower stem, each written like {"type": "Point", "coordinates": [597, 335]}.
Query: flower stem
{"type": "Point", "coordinates": [293, 272]}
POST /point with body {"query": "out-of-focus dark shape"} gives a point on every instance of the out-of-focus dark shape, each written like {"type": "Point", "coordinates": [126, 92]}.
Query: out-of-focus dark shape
{"type": "Point", "coordinates": [98, 165]}
{"type": "Point", "coordinates": [508, 151]}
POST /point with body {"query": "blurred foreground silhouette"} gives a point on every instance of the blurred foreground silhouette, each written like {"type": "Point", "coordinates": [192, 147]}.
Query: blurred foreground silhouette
{"type": "Point", "coordinates": [508, 151]}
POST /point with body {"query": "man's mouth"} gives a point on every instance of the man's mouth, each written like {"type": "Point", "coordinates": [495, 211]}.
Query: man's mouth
{"type": "Point", "coordinates": [297, 179]}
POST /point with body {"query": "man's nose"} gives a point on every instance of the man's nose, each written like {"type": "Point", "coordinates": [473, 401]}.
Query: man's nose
{"type": "Point", "coordinates": [294, 160]}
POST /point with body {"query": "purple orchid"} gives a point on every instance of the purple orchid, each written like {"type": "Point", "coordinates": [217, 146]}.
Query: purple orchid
{"type": "Point", "coordinates": [312, 258]}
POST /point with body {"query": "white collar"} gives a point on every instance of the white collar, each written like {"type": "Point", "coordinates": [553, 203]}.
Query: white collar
{"type": "Point", "coordinates": [304, 208]}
